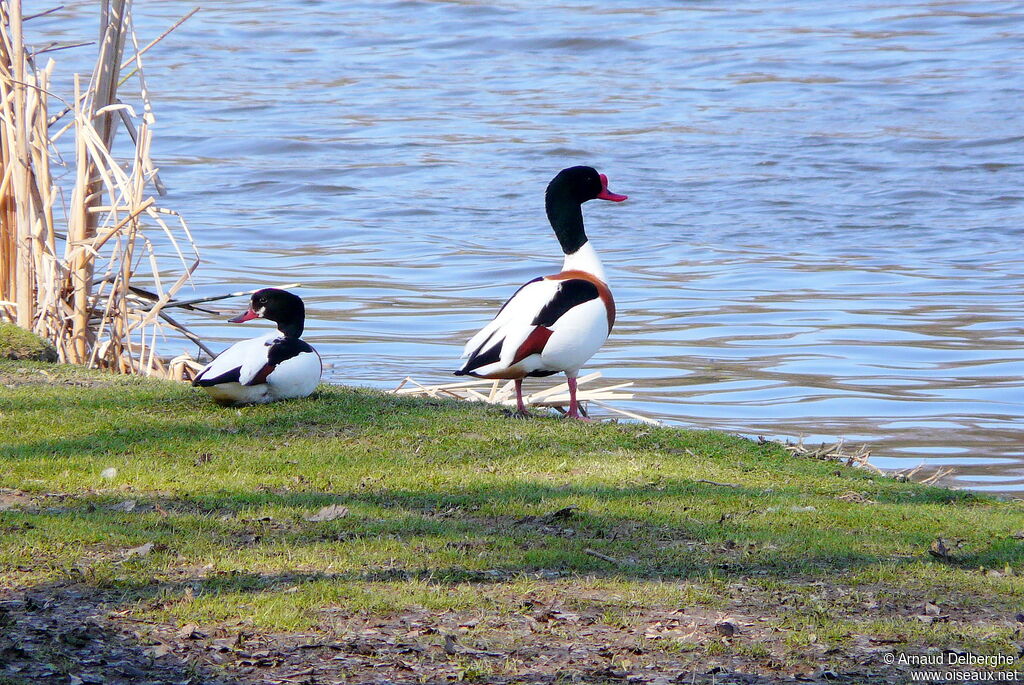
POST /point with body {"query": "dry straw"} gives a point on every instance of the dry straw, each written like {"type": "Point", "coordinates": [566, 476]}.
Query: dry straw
{"type": "Point", "coordinates": [503, 393]}
{"type": "Point", "coordinates": [98, 289]}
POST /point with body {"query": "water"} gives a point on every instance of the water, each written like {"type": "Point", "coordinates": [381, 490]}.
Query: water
{"type": "Point", "coordinates": [825, 216]}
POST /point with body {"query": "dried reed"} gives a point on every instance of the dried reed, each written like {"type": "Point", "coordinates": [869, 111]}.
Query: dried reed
{"type": "Point", "coordinates": [75, 287]}
{"type": "Point", "coordinates": [859, 458]}
{"type": "Point", "coordinates": [503, 393]}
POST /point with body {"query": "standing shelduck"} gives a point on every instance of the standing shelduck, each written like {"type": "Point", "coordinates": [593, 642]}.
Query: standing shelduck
{"type": "Point", "coordinates": [276, 366]}
{"type": "Point", "coordinates": [553, 323]}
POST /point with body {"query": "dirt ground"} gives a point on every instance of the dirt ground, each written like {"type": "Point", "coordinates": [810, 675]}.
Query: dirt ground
{"type": "Point", "coordinates": [73, 634]}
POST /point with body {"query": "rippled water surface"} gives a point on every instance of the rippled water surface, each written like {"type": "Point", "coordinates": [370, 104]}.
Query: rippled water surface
{"type": "Point", "coordinates": [823, 235]}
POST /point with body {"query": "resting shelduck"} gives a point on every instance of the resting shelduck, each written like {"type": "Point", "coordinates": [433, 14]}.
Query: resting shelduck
{"type": "Point", "coordinates": [276, 366]}
{"type": "Point", "coordinates": [553, 323]}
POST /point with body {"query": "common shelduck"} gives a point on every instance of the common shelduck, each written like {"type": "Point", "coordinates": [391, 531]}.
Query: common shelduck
{"type": "Point", "coordinates": [276, 366]}
{"type": "Point", "coordinates": [553, 323]}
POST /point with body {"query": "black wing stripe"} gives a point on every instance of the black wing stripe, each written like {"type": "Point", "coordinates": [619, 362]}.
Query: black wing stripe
{"type": "Point", "coordinates": [232, 376]}
{"type": "Point", "coordinates": [570, 293]}
{"type": "Point", "coordinates": [478, 358]}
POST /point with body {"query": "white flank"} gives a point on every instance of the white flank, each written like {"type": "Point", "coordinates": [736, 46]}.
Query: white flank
{"type": "Point", "coordinates": [296, 377]}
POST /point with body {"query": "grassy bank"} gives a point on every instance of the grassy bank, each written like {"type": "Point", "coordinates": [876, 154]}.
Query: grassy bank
{"type": "Point", "coordinates": [17, 343]}
{"type": "Point", "coordinates": [463, 544]}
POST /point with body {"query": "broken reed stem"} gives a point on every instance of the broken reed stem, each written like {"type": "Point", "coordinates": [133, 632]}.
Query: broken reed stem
{"type": "Point", "coordinates": [19, 152]}
{"type": "Point", "coordinates": [156, 40]}
{"type": "Point", "coordinates": [49, 287]}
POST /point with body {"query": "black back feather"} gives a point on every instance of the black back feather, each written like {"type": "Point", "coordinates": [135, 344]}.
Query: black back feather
{"type": "Point", "coordinates": [570, 293]}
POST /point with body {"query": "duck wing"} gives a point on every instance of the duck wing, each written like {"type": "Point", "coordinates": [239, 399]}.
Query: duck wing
{"type": "Point", "coordinates": [518, 307]}
{"type": "Point", "coordinates": [523, 325]}
{"type": "Point", "coordinates": [237, 364]}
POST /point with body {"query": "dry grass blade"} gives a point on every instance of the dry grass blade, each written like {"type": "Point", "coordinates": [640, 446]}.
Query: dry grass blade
{"type": "Point", "coordinates": [114, 225]}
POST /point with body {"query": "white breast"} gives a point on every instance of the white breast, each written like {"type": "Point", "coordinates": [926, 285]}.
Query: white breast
{"type": "Point", "coordinates": [296, 377]}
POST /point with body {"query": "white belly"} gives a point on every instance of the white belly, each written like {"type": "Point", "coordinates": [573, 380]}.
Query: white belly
{"type": "Point", "coordinates": [236, 393]}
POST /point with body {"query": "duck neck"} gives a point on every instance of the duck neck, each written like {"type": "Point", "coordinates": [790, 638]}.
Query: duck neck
{"type": "Point", "coordinates": [290, 329]}
{"type": "Point", "coordinates": [585, 259]}
{"type": "Point", "coordinates": [566, 217]}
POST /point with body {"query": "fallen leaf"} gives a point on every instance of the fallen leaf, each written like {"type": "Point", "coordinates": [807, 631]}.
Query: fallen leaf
{"type": "Point", "coordinates": [551, 516]}
{"type": "Point", "coordinates": [558, 514]}
{"type": "Point", "coordinates": [329, 513]}
{"type": "Point", "coordinates": [109, 473]}
{"type": "Point", "coordinates": [190, 632]}
{"type": "Point", "coordinates": [939, 550]}
{"type": "Point", "coordinates": [140, 551]}
{"type": "Point", "coordinates": [726, 629]}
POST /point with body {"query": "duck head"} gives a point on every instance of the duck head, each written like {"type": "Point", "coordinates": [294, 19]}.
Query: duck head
{"type": "Point", "coordinates": [280, 306]}
{"type": "Point", "coordinates": [582, 183]}
{"type": "Point", "coordinates": [566, 192]}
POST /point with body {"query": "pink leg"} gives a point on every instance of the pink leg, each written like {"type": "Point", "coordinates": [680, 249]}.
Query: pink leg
{"type": "Point", "coordinates": [519, 397]}
{"type": "Point", "coordinates": [574, 409]}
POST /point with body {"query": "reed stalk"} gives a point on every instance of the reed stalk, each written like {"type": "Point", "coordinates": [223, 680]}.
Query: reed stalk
{"type": "Point", "coordinates": [113, 223]}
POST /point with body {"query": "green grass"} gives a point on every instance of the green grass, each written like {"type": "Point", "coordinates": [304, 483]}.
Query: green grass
{"type": "Point", "coordinates": [444, 501]}
{"type": "Point", "coordinates": [17, 343]}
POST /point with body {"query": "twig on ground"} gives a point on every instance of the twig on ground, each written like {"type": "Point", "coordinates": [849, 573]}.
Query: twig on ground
{"type": "Point", "coordinates": [603, 557]}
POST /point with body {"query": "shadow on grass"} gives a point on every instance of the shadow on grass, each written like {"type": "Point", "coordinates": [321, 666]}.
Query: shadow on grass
{"type": "Point", "coordinates": [62, 634]}
{"type": "Point", "coordinates": [497, 531]}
